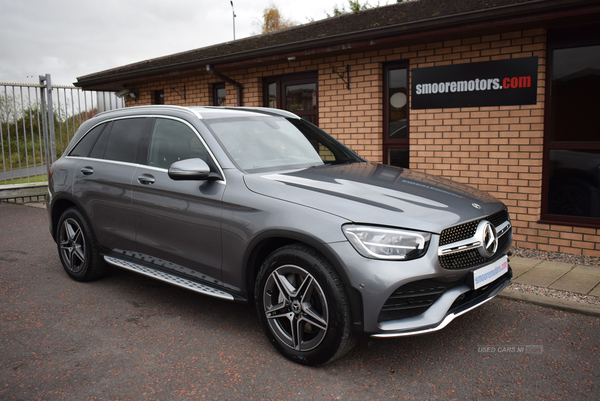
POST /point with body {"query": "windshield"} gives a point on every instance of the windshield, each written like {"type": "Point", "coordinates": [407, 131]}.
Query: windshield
{"type": "Point", "coordinates": [275, 142]}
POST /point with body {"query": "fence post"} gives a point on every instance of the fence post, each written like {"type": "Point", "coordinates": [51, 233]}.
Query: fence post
{"type": "Point", "coordinates": [44, 122]}
{"type": "Point", "coordinates": [48, 120]}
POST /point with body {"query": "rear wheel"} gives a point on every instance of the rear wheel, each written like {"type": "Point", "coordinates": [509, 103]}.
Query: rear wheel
{"type": "Point", "coordinates": [77, 249]}
{"type": "Point", "coordinates": [303, 306]}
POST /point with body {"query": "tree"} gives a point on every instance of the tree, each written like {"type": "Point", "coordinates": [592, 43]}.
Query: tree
{"type": "Point", "coordinates": [273, 20]}
{"type": "Point", "coordinates": [354, 7]}
{"type": "Point", "coordinates": [8, 108]}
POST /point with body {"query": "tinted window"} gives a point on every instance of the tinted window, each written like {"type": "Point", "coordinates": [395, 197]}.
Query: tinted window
{"type": "Point", "coordinates": [173, 141]}
{"type": "Point", "coordinates": [86, 143]}
{"type": "Point", "coordinates": [572, 148]}
{"type": "Point", "coordinates": [98, 150]}
{"type": "Point", "coordinates": [575, 85]}
{"type": "Point", "coordinates": [124, 140]}
{"type": "Point", "coordinates": [159, 97]}
{"type": "Point", "coordinates": [397, 157]}
{"type": "Point", "coordinates": [574, 182]}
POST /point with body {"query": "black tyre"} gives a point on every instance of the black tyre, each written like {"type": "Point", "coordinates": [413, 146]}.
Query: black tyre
{"type": "Point", "coordinates": [77, 247]}
{"type": "Point", "coordinates": [303, 306]}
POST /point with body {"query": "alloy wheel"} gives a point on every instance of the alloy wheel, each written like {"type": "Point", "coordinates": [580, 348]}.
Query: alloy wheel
{"type": "Point", "coordinates": [296, 308]}
{"type": "Point", "coordinates": [72, 245]}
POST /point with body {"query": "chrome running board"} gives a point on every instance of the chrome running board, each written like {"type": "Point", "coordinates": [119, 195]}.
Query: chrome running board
{"type": "Point", "coordinates": [169, 278]}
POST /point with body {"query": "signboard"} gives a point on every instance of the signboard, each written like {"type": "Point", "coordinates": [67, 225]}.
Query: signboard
{"type": "Point", "coordinates": [490, 83]}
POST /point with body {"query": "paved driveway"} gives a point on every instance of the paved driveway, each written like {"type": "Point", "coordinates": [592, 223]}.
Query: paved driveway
{"type": "Point", "coordinates": [130, 338]}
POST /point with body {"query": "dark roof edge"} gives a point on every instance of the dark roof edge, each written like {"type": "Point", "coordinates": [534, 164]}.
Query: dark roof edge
{"type": "Point", "coordinates": [522, 11]}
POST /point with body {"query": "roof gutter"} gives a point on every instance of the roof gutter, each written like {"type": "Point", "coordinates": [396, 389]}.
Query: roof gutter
{"type": "Point", "coordinates": [541, 10]}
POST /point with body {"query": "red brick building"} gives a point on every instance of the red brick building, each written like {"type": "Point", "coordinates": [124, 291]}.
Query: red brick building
{"type": "Point", "coordinates": [499, 94]}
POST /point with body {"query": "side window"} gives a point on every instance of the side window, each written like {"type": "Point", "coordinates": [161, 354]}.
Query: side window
{"type": "Point", "coordinates": [98, 150]}
{"type": "Point", "coordinates": [395, 115]}
{"type": "Point", "coordinates": [159, 97]}
{"type": "Point", "coordinates": [173, 141]}
{"type": "Point", "coordinates": [219, 94]}
{"type": "Point", "coordinates": [124, 140]}
{"type": "Point", "coordinates": [86, 143]}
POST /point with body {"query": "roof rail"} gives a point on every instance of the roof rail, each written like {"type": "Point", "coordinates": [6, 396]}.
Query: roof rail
{"type": "Point", "coordinates": [271, 111]}
{"type": "Point", "coordinates": [263, 110]}
{"type": "Point", "coordinates": [194, 110]}
{"type": "Point", "coordinates": [154, 107]}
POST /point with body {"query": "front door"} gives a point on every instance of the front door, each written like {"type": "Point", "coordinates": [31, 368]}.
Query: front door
{"type": "Point", "coordinates": [178, 223]}
{"type": "Point", "coordinates": [296, 93]}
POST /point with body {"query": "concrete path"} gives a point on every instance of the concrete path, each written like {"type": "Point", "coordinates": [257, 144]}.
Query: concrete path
{"type": "Point", "coordinates": [558, 284]}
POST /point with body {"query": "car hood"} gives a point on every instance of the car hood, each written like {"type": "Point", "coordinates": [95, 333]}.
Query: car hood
{"type": "Point", "coordinates": [378, 194]}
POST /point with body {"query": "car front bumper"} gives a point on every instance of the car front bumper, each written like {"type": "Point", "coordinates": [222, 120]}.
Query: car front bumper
{"type": "Point", "coordinates": [378, 280]}
{"type": "Point", "coordinates": [430, 320]}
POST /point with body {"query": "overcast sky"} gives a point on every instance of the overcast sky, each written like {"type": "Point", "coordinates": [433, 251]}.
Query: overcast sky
{"type": "Point", "coordinates": [73, 38]}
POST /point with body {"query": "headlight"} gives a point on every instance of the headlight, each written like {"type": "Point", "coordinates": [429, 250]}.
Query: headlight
{"type": "Point", "coordinates": [387, 243]}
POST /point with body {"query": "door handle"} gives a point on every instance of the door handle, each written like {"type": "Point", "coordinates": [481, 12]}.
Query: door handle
{"type": "Point", "coordinates": [87, 170]}
{"type": "Point", "coordinates": [146, 179]}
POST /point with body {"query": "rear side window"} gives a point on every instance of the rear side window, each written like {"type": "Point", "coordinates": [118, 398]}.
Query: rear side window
{"type": "Point", "coordinates": [86, 143]}
{"type": "Point", "coordinates": [124, 140]}
{"type": "Point", "coordinates": [98, 150]}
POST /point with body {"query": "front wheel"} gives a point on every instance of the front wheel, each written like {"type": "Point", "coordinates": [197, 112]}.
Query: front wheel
{"type": "Point", "coordinates": [77, 248]}
{"type": "Point", "coordinates": [303, 306]}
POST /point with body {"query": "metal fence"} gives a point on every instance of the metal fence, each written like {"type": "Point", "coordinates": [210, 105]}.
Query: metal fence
{"type": "Point", "coordinates": [38, 121]}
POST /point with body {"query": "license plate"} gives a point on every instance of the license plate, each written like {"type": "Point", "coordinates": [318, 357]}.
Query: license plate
{"type": "Point", "coordinates": [489, 273]}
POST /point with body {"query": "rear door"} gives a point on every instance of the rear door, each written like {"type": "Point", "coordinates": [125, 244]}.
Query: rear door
{"type": "Point", "coordinates": [103, 181]}
{"type": "Point", "coordinates": [178, 223]}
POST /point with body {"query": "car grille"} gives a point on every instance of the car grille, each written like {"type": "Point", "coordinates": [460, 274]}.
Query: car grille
{"type": "Point", "coordinates": [412, 299]}
{"type": "Point", "coordinates": [471, 257]}
{"type": "Point", "coordinates": [467, 230]}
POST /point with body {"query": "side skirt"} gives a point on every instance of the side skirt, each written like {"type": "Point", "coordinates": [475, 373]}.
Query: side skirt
{"type": "Point", "coordinates": [169, 278]}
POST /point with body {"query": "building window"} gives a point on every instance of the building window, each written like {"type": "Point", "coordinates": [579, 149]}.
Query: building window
{"type": "Point", "coordinates": [297, 93]}
{"type": "Point", "coordinates": [159, 97]}
{"type": "Point", "coordinates": [572, 145]}
{"type": "Point", "coordinates": [395, 115]}
{"type": "Point", "coordinates": [219, 94]}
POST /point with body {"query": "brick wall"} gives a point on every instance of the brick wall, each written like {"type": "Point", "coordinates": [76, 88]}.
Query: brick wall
{"type": "Point", "coordinates": [496, 149]}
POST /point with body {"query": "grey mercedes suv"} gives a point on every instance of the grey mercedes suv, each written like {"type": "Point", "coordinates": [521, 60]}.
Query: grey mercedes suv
{"type": "Point", "coordinates": [257, 205]}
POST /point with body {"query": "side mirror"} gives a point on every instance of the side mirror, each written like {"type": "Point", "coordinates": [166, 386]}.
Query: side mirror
{"type": "Point", "coordinates": [192, 170]}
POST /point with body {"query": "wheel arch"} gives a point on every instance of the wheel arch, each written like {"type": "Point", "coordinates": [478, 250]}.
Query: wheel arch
{"type": "Point", "coordinates": [58, 207]}
{"type": "Point", "coordinates": [266, 243]}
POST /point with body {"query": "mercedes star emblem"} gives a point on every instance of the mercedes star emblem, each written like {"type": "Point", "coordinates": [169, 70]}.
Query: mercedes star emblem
{"type": "Point", "coordinates": [488, 239]}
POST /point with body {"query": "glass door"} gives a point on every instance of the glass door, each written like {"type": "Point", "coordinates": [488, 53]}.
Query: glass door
{"type": "Point", "coordinates": [297, 93]}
